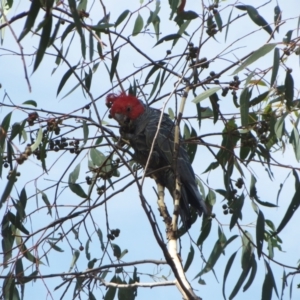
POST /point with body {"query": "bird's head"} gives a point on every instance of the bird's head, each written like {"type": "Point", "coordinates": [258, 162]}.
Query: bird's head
{"type": "Point", "coordinates": [124, 108]}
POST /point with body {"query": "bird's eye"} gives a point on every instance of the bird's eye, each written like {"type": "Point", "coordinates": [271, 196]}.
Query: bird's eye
{"type": "Point", "coordinates": [128, 108]}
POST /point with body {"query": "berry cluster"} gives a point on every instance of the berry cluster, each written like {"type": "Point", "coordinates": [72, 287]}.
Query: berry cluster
{"type": "Point", "coordinates": [261, 129]}
{"type": "Point", "coordinates": [211, 26]}
{"type": "Point", "coordinates": [248, 140]}
{"type": "Point", "coordinates": [32, 117]}
{"type": "Point", "coordinates": [113, 234]}
{"type": "Point", "coordinates": [24, 156]}
{"type": "Point", "coordinates": [52, 125]}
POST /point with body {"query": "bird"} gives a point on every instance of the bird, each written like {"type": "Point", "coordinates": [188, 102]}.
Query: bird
{"type": "Point", "coordinates": [138, 124]}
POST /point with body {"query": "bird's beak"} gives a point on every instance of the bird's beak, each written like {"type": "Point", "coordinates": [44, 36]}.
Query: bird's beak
{"type": "Point", "coordinates": [120, 118]}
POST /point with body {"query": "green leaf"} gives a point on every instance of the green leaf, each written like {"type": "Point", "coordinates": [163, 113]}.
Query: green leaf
{"type": "Point", "coordinates": [188, 15]}
{"type": "Point", "coordinates": [74, 259]}
{"type": "Point", "coordinates": [32, 14]}
{"type": "Point", "coordinates": [65, 78]}
{"type": "Point", "coordinates": [288, 37]}
{"type": "Point", "coordinates": [77, 189]}
{"type": "Point", "coordinates": [55, 247]}
{"type": "Point", "coordinates": [226, 272]}
{"type": "Point", "coordinates": [75, 174]}
{"type": "Point", "coordinates": [294, 205]}
{"type": "Point", "coordinates": [252, 274]}
{"type": "Point", "coordinates": [258, 99]}
{"type": "Point", "coordinates": [27, 254]}
{"type": "Point", "coordinates": [240, 281]}
{"type": "Point", "coordinates": [247, 252]}
{"type": "Point", "coordinates": [8, 187]}
{"type": "Point", "coordinates": [122, 17]}
{"type": "Point", "coordinates": [91, 46]}
{"type": "Point", "coordinates": [30, 102]}
{"type": "Point", "coordinates": [154, 87]}
{"type": "Point", "coordinates": [228, 23]}
{"type": "Point", "coordinates": [262, 51]}
{"type": "Point", "coordinates": [265, 203]}
{"type": "Point", "coordinates": [169, 37]}
{"type": "Point", "coordinates": [97, 157]}
{"type": "Point", "coordinates": [82, 5]}
{"type": "Point", "coordinates": [289, 88]}
{"type": "Point", "coordinates": [138, 25]}
{"type": "Point", "coordinates": [54, 34]}
{"type": "Point", "coordinates": [38, 140]}
{"type": "Point", "coordinates": [100, 235]}
{"type": "Point", "coordinates": [116, 250]}
{"type": "Point", "coordinates": [269, 284]}
{"type": "Point", "coordinates": [46, 201]}
{"type": "Point", "coordinates": [218, 19]}
{"type": "Point", "coordinates": [260, 232]}
{"type": "Point", "coordinates": [215, 106]}
{"type": "Point", "coordinates": [69, 28]}
{"type": "Point", "coordinates": [189, 259]}
{"type": "Point", "coordinates": [85, 132]}
{"type": "Point", "coordinates": [91, 296]}
{"type": "Point", "coordinates": [44, 41]}
{"type": "Point", "coordinates": [15, 220]}
{"type": "Point", "coordinates": [256, 17]}
{"type": "Point", "coordinates": [236, 206]}
{"type": "Point", "coordinates": [114, 66]}
{"type": "Point", "coordinates": [77, 21]}
{"type": "Point", "coordinates": [206, 94]}
{"type": "Point", "coordinates": [218, 249]}
{"type": "Point", "coordinates": [294, 140]}
{"type": "Point", "coordinates": [154, 69]}
{"type": "Point", "coordinates": [205, 230]}
{"type": "Point", "coordinates": [111, 292]}
{"type": "Point", "coordinates": [244, 106]}
{"type": "Point", "coordinates": [277, 16]}
{"type": "Point", "coordinates": [284, 283]}
{"type": "Point", "coordinates": [276, 62]}
{"type": "Point", "coordinates": [87, 247]}
{"type": "Point", "coordinates": [19, 268]}
{"type": "Point", "coordinates": [279, 126]}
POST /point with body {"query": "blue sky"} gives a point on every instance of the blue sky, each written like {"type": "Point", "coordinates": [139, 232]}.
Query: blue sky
{"type": "Point", "coordinates": [124, 210]}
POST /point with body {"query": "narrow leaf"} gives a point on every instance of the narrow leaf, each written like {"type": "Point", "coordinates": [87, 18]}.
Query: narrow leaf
{"type": "Point", "coordinates": [294, 205]}
{"type": "Point", "coordinates": [169, 37]}
{"type": "Point", "coordinates": [46, 201]}
{"type": "Point", "coordinates": [122, 17]}
{"type": "Point", "coordinates": [269, 284]}
{"type": "Point", "coordinates": [289, 88]}
{"type": "Point", "coordinates": [262, 51]}
{"type": "Point", "coordinates": [206, 94]}
{"type": "Point", "coordinates": [276, 61]}
{"type": "Point", "coordinates": [74, 259]}
{"type": "Point", "coordinates": [244, 106]}
{"type": "Point", "coordinates": [32, 14]}
{"type": "Point", "coordinates": [65, 78]}
{"type": "Point", "coordinates": [85, 132]}
{"type": "Point", "coordinates": [38, 140]}
{"type": "Point", "coordinates": [77, 21]}
{"type": "Point", "coordinates": [189, 259]}
{"type": "Point", "coordinates": [138, 25]}
{"type": "Point", "coordinates": [256, 17]}
{"type": "Point", "coordinates": [226, 272]}
{"type": "Point", "coordinates": [30, 102]}
{"type": "Point", "coordinates": [114, 66]}
{"type": "Point", "coordinates": [44, 41]}
{"type": "Point", "coordinates": [260, 232]}
{"type": "Point", "coordinates": [8, 187]}
{"type": "Point", "coordinates": [252, 274]}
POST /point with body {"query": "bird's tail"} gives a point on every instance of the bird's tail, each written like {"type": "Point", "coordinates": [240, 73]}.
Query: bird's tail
{"type": "Point", "coordinates": [190, 196]}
